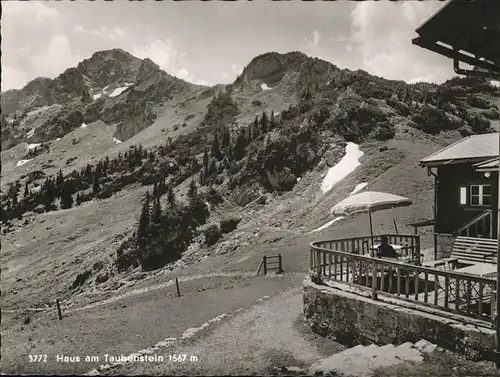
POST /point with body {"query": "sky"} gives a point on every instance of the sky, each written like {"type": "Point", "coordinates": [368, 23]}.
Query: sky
{"type": "Point", "coordinates": [209, 43]}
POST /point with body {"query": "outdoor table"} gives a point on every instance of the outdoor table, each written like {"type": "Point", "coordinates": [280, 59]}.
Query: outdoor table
{"type": "Point", "coordinates": [487, 270]}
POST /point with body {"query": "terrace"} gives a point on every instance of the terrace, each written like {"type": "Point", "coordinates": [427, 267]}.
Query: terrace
{"type": "Point", "coordinates": [466, 293]}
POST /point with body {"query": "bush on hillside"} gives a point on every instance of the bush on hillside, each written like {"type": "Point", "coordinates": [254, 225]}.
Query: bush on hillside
{"type": "Point", "coordinates": [81, 278]}
{"type": "Point", "coordinates": [491, 114]}
{"type": "Point", "coordinates": [432, 120]}
{"type": "Point", "coordinates": [383, 131]}
{"type": "Point", "coordinates": [229, 224]}
{"type": "Point", "coordinates": [401, 107]}
{"type": "Point", "coordinates": [478, 102]}
{"type": "Point", "coordinates": [212, 235]}
{"type": "Point", "coordinates": [478, 124]}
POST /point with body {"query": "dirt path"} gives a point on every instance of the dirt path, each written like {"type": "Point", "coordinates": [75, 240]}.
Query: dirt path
{"type": "Point", "coordinates": [266, 336]}
{"type": "Point", "coordinates": [130, 324]}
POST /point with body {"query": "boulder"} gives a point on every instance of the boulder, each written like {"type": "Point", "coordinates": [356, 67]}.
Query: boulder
{"type": "Point", "coordinates": [329, 158]}
{"type": "Point", "coordinates": [321, 163]}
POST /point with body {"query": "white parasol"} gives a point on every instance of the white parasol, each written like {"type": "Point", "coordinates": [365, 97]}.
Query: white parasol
{"type": "Point", "coordinates": [370, 201]}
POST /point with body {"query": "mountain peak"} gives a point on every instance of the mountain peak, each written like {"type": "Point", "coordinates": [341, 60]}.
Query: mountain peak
{"type": "Point", "coordinates": [270, 67]}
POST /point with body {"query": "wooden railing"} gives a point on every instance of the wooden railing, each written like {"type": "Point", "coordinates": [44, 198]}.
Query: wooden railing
{"type": "Point", "coordinates": [463, 294]}
{"type": "Point", "coordinates": [410, 245]}
{"type": "Point", "coordinates": [481, 224]}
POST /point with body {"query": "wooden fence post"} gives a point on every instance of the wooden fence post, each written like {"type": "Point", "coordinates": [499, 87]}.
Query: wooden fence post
{"type": "Point", "coordinates": [264, 260]}
{"type": "Point", "coordinates": [374, 280]}
{"type": "Point", "coordinates": [177, 286]}
{"type": "Point", "coordinates": [280, 266]}
{"type": "Point", "coordinates": [59, 313]}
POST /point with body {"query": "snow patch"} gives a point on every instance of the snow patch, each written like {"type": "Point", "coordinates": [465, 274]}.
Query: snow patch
{"type": "Point", "coordinates": [58, 139]}
{"type": "Point", "coordinates": [83, 125]}
{"type": "Point", "coordinates": [30, 133]}
{"type": "Point", "coordinates": [264, 87]}
{"type": "Point", "coordinates": [33, 146]}
{"type": "Point", "coordinates": [298, 179]}
{"type": "Point", "coordinates": [328, 83]}
{"type": "Point", "coordinates": [344, 167]}
{"type": "Point", "coordinates": [22, 162]}
{"type": "Point", "coordinates": [324, 226]}
{"type": "Point", "coordinates": [361, 361]}
{"type": "Point", "coordinates": [118, 91]}
{"type": "Point", "coordinates": [116, 140]}
{"type": "Point", "coordinates": [359, 187]}
{"type": "Point", "coordinates": [36, 189]}
{"type": "Point", "coordinates": [128, 84]}
{"type": "Point", "coordinates": [97, 96]}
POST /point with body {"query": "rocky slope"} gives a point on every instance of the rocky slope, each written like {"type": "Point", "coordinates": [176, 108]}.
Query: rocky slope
{"type": "Point", "coordinates": [112, 86]}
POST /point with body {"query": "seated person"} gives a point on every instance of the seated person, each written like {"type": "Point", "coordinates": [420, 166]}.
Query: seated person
{"type": "Point", "coordinates": [385, 250]}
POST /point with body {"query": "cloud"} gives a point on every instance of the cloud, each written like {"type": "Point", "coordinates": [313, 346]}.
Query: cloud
{"type": "Point", "coordinates": [34, 11]}
{"type": "Point", "coordinates": [34, 43]}
{"type": "Point", "coordinates": [316, 38]}
{"type": "Point", "coordinates": [168, 57]}
{"type": "Point", "coordinates": [313, 44]}
{"type": "Point", "coordinates": [102, 32]}
{"type": "Point", "coordinates": [385, 48]}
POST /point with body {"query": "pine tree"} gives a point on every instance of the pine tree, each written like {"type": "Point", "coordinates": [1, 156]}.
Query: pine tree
{"type": "Point", "coordinates": [143, 226]}
{"type": "Point", "coordinates": [60, 178]}
{"type": "Point", "coordinates": [256, 126]}
{"type": "Point", "coordinates": [66, 198]}
{"type": "Point", "coordinates": [96, 186]}
{"type": "Point", "coordinates": [202, 178]}
{"type": "Point", "coordinates": [272, 122]}
{"type": "Point", "coordinates": [205, 163]}
{"type": "Point", "coordinates": [78, 199]}
{"type": "Point", "coordinates": [192, 191]}
{"type": "Point", "coordinates": [171, 197]}
{"type": "Point", "coordinates": [26, 190]}
{"type": "Point", "coordinates": [215, 152]}
{"type": "Point", "coordinates": [263, 122]}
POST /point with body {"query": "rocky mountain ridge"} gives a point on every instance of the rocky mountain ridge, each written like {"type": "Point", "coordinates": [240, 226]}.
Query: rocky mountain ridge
{"type": "Point", "coordinates": [112, 86]}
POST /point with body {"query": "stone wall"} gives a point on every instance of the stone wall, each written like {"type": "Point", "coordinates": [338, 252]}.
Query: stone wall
{"type": "Point", "coordinates": [349, 318]}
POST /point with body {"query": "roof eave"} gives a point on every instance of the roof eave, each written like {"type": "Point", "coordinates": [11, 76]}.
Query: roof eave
{"type": "Point", "coordinates": [436, 163]}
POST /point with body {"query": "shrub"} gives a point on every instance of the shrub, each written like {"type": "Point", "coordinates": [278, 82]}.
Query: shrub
{"type": "Point", "coordinates": [212, 235]}
{"type": "Point", "coordinates": [491, 114]}
{"type": "Point", "coordinates": [229, 224]}
{"type": "Point", "coordinates": [256, 103]}
{"type": "Point", "coordinates": [383, 131]}
{"type": "Point", "coordinates": [81, 278]}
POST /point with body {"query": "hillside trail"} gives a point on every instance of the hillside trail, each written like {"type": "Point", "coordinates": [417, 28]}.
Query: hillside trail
{"type": "Point", "coordinates": [271, 338]}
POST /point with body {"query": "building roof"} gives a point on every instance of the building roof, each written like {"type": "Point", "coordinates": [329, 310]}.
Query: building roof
{"type": "Point", "coordinates": [489, 165]}
{"type": "Point", "coordinates": [475, 148]}
{"type": "Point", "coordinates": [466, 31]}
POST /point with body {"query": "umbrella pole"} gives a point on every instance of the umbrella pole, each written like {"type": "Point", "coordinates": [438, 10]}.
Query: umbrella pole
{"type": "Point", "coordinates": [371, 226]}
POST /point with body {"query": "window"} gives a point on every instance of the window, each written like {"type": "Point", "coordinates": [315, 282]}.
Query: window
{"type": "Point", "coordinates": [463, 195]}
{"type": "Point", "coordinates": [480, 195]}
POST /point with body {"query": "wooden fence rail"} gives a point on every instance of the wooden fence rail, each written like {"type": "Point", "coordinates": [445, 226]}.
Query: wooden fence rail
{"type": "Point", "coordinates": [467, 295]}
{"type": "Point", "coordinates": [272, 262]}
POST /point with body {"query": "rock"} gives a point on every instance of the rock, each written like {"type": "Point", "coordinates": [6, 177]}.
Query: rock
{"type": "Point", "coordinates": [382, 149]}
{"type": "Point", "coordinates": [75, 140]}
{"type": "Point", "coordinates": [101, 278]}
{"type": "Point", "coordinates": [321, 163]}
{"type": "Point", "coordinates": [329, 158]}
{"type": "Point", "coordinates": [261, 200]}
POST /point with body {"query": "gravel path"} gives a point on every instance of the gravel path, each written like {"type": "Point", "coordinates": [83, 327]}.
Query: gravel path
{"type": "Point", "coordinates": [129, 324]}
{"type": "Point", "coordinates": [269, 335]}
